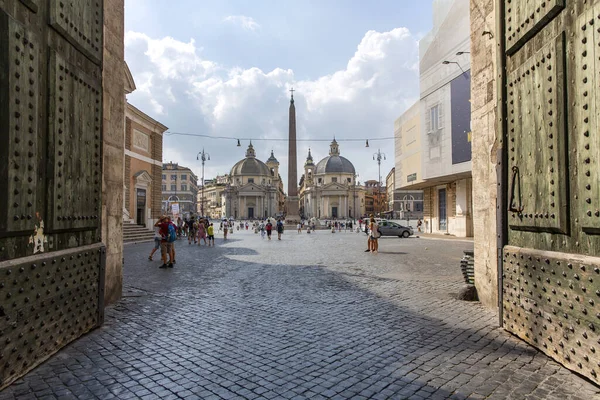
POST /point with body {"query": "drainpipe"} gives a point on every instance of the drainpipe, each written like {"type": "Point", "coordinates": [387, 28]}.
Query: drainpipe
{"type": "Point", "coordinates": [502, 153]}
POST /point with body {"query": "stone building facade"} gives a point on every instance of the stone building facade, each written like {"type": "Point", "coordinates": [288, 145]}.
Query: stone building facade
{"type": "Point", "coordinates": [484, 117]}
{"type": "Point", "coordinates": [179, 186]}
{"type": "Point", "coordinates": [113, 146]}
{"type": "Point", "coordinates": [254, 189]}
{"type": "Point", "coordinates": [143, 164]}
{"type": "Point", "coordinates": [213, 197]}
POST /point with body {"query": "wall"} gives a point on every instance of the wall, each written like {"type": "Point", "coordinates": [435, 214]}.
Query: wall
{"type": "Point", "coordinates": [442, 44]}
{"type": "Point", "coordinates": [407, 142]}
{"type": "Point", "coordinates": [113, 147]}
{"type": "Point", "coordinates": [484, 147]}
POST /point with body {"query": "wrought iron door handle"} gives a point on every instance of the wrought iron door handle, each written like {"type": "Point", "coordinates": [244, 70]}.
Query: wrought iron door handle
{"type": "Point", "coordinates": [511, 204]}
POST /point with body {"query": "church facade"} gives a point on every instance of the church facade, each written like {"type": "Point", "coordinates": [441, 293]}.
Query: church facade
{"type": "Point", "coordinates": [329, 190]}
{"type": "Point", "coordinates": [254, 189]}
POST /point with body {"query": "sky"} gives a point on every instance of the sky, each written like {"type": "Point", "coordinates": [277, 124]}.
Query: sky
{"type": "Point", "coordinates": [224, 69]}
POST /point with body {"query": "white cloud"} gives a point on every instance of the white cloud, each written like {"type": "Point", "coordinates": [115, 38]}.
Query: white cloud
{"type": "Point", "coordinates": [191, 94]}
{"type": "Point", "coordinates": [247, 23]}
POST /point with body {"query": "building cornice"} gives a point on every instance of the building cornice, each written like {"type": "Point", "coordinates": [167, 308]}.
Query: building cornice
{"type": "Point", "coordinates": [145, 120]}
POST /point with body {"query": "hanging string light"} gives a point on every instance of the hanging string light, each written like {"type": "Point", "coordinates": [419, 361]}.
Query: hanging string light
{"type": "Point", "coordinates": [168, 133]}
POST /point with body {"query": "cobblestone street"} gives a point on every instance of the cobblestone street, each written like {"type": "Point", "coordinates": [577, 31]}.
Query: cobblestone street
{"type": "Point", "coordinates": [309, 317]}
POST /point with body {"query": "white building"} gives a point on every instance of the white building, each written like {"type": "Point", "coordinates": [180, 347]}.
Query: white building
{"type": "Point", "coordinates": [329, 189]}
{"type": "Point", "coordinates": [445, 121]}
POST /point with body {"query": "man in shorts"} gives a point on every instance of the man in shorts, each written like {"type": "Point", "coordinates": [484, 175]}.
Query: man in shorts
{"type": "Point", "coordinates": [166, 248]}
{"type": "Point", "coordinates": [211, 235]}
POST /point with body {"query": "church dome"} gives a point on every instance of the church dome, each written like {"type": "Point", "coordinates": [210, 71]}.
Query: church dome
{"type": "Point", "coordinates": [334, 163]}
{"type": "Point", "coordinates": [250, 165]}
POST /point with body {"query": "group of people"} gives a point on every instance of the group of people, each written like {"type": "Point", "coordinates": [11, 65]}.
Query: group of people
{"type": "Point", "coordinates": [166, 233]}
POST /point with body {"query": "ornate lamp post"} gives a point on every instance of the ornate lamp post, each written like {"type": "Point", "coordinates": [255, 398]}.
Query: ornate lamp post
{"type": "Point", "coordinates": [379, 156]}
{"type": "Point", "coordinates": [354, 198]}
{"type": "Point", "coordinates": [204, 157]}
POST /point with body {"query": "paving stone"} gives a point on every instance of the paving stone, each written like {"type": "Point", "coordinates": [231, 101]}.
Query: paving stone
{"type": "Point", "coordinates": [307, 317]}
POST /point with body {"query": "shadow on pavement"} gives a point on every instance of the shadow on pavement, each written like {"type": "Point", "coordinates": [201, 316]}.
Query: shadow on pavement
{"type": "Point", "coordinates": [216, 327]}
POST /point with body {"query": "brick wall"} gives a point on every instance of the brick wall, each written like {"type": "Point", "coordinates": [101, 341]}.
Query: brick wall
{"type": "Point", "coordinates": [157, 149]}
{"type": "Point", "coordinates": [484, 147]}
{"type": "Point", "coordinates": [127, 184]}
{"type": "Point", "coordinates": [128, 133]}
{"type": "Point", "coordinates": [156, 190]}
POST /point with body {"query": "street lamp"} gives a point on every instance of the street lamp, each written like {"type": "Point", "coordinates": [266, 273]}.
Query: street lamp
{"type": "Point", "coordinates": [379, 156]}
{"type": "Point", "coordinates": [445, 62]}
{"type": "Point", "coordinates": [204, 157]}
{"type": "Point", "coordinates": [354, 198]}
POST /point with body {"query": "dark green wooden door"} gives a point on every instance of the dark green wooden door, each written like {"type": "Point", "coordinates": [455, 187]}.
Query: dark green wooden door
{"type": "Point", "coordinates": [551, 269]}
{"type": "Point", "coordinates": [51, 257]}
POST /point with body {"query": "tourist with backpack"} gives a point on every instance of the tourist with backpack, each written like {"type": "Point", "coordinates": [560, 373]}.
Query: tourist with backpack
{"type": "Point", "coordinates": [168, 234]}
{"type": "Point", "coordinates": [269, 229]}
{"type": "Point", "coordinates": [279, 228]}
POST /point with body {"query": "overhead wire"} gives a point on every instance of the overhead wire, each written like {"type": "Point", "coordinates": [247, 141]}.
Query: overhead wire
{"type": "Point", "coordinates": [169, 133]}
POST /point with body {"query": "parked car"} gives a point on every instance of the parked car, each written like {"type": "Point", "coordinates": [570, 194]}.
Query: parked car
{"type": "Point", "coordinates": [389, 228]}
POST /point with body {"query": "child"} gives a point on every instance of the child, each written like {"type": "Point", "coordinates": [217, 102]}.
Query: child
{"type": "Point", "coordinates": [211, 235]}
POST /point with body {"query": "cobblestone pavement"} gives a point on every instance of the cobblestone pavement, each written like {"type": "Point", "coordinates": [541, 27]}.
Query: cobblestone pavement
{"type": "Point", "coordinates": [308, 317]}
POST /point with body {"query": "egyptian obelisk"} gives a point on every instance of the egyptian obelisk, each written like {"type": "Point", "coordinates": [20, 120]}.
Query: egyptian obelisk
{"type": "Point", "coordinates": [292, 202]}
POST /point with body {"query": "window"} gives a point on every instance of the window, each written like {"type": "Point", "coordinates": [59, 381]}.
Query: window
{"type": "Point", "coordinates": [320, 180]}
{"type": "Point", "coordinates": [250, 180]}
{"type": "Point", "coordinates": [173, 177]}
{"type": "Point", "coordinates": [164, 177]}
{"type": "Point", "coordinates": [434, 117]}
{"type": "Point", "coordinates": [164, 187]}
{"type": "Point", "coordinates": [184, 187]}
{"type": "Point", "coordinates": [349, 180]}
{"type": "Point", "coordinates": [333, 179]}
{"type": "Point", "coordinates": [174, 188]}
{"type": "Point", "coordinates": [184, 177]}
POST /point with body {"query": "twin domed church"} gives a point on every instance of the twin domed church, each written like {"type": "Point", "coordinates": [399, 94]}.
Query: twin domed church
{"type": "Point", "coordinates": [327, 189]}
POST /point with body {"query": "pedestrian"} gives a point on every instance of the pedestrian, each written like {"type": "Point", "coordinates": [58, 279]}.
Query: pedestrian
{"type": "Point", "coordinates": [279, 228]}
{"type": "Point", "coordinates": [211, 235]}
{"type": "Point", "coordinates": [192, 230]}
{"type": "Point", "coordinates": [299, 228]}
{"type": "Point", "coordinates": [269, 228]}
{"type": "Point", "coordinates": [168, 235]}
{"type": "Point", "coordinates": [202, 232]}
{"type": "Point", "coordinates": [247, 225]}
{"type": "Point", "coordinates": [157, 238]}
{"type": "Point", "coordinates": [262, 230]}
{"type": "Point", "coordinates": [374, 235]}
{"type": "Point", "coordinates": [419, 224]}
{"type": "Point", "coordinates": [225, 229]}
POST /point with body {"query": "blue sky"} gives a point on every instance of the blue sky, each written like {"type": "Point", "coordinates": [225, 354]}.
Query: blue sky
{"type": "Point", "coordinates": [224, 68]}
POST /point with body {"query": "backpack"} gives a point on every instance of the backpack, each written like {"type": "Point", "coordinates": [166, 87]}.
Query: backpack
{"type": "Point", "coordinates": [172, 236]}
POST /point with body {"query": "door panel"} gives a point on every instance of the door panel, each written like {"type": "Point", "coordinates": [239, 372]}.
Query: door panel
{"type": "Point", "coordinates": [537, 137]}
{"type": "Point", "coordinates": [80, 22]}
{"type": "Point", "coordinates": [585, 114]}
{"type": "Point", "coordinates": [551, 264]}
{"type": "Point", "coordinates": [19, 50]}
{"type": "Point", "coordinates": [51, 255]}
{"type": "Point", "coordinates": [75, 144]}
